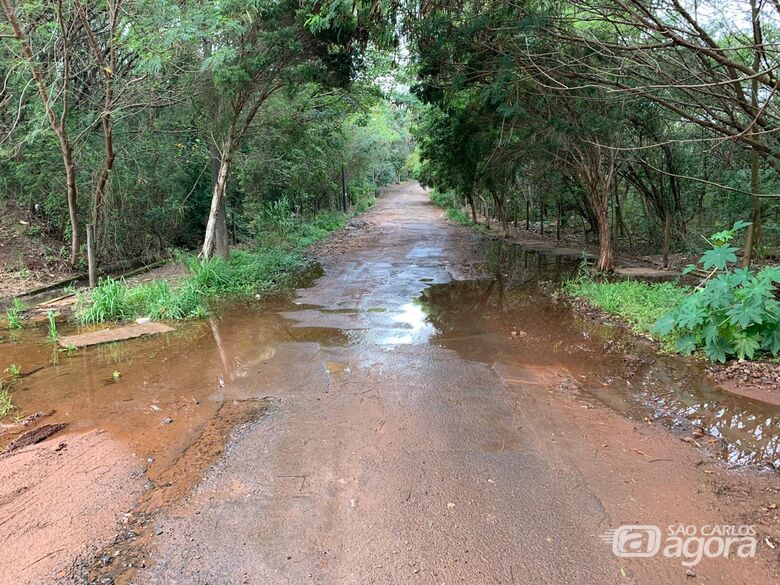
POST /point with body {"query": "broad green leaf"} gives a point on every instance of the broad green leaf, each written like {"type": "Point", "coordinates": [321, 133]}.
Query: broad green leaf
{"type": "Point", "coordinates": [690, 313]}
{"type": "Point", "coordinates": [717, 350]}
{"type": "Point", "coordinates": [771, 341]}
{"type": "Point", "coordinates": [745, 346]}
{"type": "Point", "coordinates": [686, 344]}
{"type": "Point", "coordinates": [664, 325]}
{"type": "Point", "coordinates": [745, 314]}
{"type": "Point", "coordinates": [719, 257]}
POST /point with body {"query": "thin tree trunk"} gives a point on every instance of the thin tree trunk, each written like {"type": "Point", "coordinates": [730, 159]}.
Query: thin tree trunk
{"type": "Point", "coordinates": [667, 235]}
{"type": "Point", "coordinates": [604, 263]}
{"type": "Point", "coordinates": [108, 69]}
{"type": "Point", "coordinates": [753, 239]}
{"type": "Point", "coordinates": [473, 208]}
{"type": "Point", "coordinates": [216, 200]}
{"type": "Point", "coordinates": [527, 214]}
{"type": "Point", "coordinates": [344, 194]}
{"type": "Point", "coordinates": [70, 180]}
{"type": "Point", "coordinates": [57, 124]}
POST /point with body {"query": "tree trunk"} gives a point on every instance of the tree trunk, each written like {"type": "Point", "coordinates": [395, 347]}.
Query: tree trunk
{"type": "Point", "coordinates": [344, 194]}
{"type": "Point", "coordinates": [473, 208]}
{"type": "Point", "coordinates": [527, 214]}
{"type": "Point", "coordinates": [221, 246]}
{"type": "Point", "coordinates": [604, 263]}
{"type": "Point", "coordinates": [753, 238]}
{"type": "Point", "coordinates": [70, 180]}
{"type": "Point", "coordinates": [57, 124]}
{"type": "Point", "coordinates": [220, 186]}
{"type": "Point", "coordinates": [667, 235]}
{"type": "Point", "coordinates": [106, 60]}
{"type": "Point", "coordinates": [558, 222]}
{"type": "Point", "coordinates": [500, 201]}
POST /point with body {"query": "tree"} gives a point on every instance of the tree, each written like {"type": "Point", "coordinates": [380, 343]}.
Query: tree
{"type": "Point", "coordinates": [52, 79]}
{"type": "Point", "coordinates": [259, 48]}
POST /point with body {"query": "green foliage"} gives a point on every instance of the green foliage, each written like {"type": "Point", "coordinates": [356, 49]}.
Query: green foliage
{"type": "Point", "coordinates": [6, 402]}
{"type": "Point", "coordinates": [448, 201]}
{"type": "Point", "coordinates": [288, 95]}
{"type": "Point", "coordinates": [52, 326]}
{"type": "Point", "coordinates": [641, 304]}
{"type": "Point", "coordinates": [278, 216]}
{"type": "Point", "coordinates": [14, 314]}
{"type": "Point", "coordinates": [309, 232]}
{"type": "Point", "coordinates": [273, 265]}
{"type": "Point", "coordinates": [15, 371]}
{"type": "Point", "coordinates": [734, 312]}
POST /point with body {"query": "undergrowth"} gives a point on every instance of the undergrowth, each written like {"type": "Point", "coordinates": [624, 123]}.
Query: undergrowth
{"type": "Point", "coordinates": [272, 265]}
{"type": "Point", "coordinates": [447, 201]}
{"type": "Point", "coordinates": [640, 304]}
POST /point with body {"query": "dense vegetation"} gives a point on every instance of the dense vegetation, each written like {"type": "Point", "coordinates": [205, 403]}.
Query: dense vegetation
{"type": "Point", "coordinates": [643, 125]}
{"type": "Point", "coordinates": [163, 122]}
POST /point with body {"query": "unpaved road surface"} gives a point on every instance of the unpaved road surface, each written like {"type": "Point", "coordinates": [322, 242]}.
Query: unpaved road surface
{"type": "Point", "coordinates": [409, 442]}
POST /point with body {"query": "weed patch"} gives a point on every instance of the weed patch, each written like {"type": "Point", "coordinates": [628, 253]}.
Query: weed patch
{"type": "Point", "coordinates": [640, 304]}
{"type": "Point", "coordinates": [273, 265]}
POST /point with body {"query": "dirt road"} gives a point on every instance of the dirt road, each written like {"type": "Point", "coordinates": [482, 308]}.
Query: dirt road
{"type": "Point", "coordinates": [417, 435]}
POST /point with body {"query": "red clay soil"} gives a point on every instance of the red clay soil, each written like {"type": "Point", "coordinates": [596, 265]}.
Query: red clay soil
{"type": "Point", "coordinates": [398, 452]}
{"type": "Point", "coordinates": [60, 500]}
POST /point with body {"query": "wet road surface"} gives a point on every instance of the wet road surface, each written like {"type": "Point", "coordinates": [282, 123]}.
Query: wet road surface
{"type": "Point", "coordinates": [417, 433]}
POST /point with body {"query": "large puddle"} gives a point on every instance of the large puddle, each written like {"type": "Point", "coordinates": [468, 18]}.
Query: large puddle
{"type": "Point", "coordinates": [167, 388]}
{"type": "Point", "coordinates": [476, 318]}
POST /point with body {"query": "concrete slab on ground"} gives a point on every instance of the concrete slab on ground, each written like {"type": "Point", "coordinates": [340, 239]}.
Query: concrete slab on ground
{"type": "Point", "coordinates": [115, 334]}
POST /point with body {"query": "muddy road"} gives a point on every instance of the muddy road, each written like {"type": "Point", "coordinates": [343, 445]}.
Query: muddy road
{"type": "Point", "coordinates": [423, 411]}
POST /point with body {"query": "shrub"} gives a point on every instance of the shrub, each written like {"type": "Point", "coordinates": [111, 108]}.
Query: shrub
{"type": "Point", "coordinates": [273, 265]}
{"type": "Point", "coordinates": [447, 201]}
{"type": "Point", "coordinates": [733, 312]}
{"type": "Point", "coordinates": [279, 216]}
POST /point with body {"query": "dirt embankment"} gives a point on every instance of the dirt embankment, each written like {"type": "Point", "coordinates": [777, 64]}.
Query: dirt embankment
{"type": "Point", "coordinates": [28, 257]}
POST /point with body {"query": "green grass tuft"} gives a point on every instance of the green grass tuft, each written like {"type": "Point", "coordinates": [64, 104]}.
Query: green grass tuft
{"type": "Point", "coordinates": [640, 304]}
{"type": "Point", "coordinates": [14, 314]}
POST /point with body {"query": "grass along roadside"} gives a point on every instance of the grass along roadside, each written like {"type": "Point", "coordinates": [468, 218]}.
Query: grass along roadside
{"type": "Point", "coordinates": [271, 265]}
{"type": "Point", "coordinates": [639, 304]}
{"type": "Point", "coordinates": [446, 200]}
